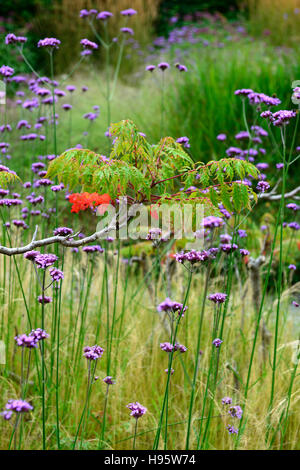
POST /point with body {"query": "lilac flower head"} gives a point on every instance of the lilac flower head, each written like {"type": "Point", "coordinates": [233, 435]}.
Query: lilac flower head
{"type": "Point", "coordinates": [218, 298]}
{"type": "Point", "coordinates": [242, 233]}
{"type": "Point", "coordinates": [167, 347]}
{"type": "Point", "coordinates": [163, 66]}
{"type": "Point", "coordinates": [126, 30]}
{"type": "Point", "coordinates": [45, 260]}
{"type": "Point", "coordinates": [169, 305]}
{"type": "Point", "coordinates": [31, 255]}
{"type": "Point", "coordinates": [62, 231]}
{"type": "Point", "coordinates": [18, 406]}
{"type": "Point", "coordinates": [292, 267]}
{"type": "Point", "coordinates": [262, 186]}
{"type": "Point", "coordinates": [128, 12]}
{"type": "Point", "coordinates": [221, 137]}
{"type": "Point", "coordinates": [93, 249]}
{"type": "Point", "coordinates": [13, 39]}
{"type": "Point", "coordinates": [236, 412]}
{"type": "Point", "coordinates": [184, 141]}
{"type": "Point", "coordinates": [109, 380]}
{"type": "Point", "coordinates": [217, 342]}
{"type": "Point", "coordinates": [50, 43]}
{"type": "Point", "coordinates": [294, 225]}
{"type": "Point", "coordinates": [226, 401]}
{"type": "Point", "coordinates": [6, 71]}
{"type": "Point", "coordinates": [43, 299]}
{"type": "Point", "coordinates": [93, 353]}
{"type": "Point", "coordinates": [39, 334]}
{"type": "Point", "coordinates": [212, 222]}
{"type": "Point", "coordinates": [25, 341]}
{"type": "Point", "coordinates": [56, 274]}
{"type": "Point", "coordinates": [150, 68]}
{"type": "Point", "coordinates": [137, 410]}
{"type": "Point", "coordinates": [88, 44]}
{"type": "Point", "coordinates": [232, 430]}
{"type": "Point", "coordinates": [104, 15]}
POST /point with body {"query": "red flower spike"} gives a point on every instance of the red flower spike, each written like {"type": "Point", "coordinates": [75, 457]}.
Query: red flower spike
{"type": "Point", "coordinates": [82, 201]}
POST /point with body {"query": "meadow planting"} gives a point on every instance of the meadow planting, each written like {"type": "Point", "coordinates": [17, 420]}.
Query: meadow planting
{"type": "Point", "coordinates": [149, 240]}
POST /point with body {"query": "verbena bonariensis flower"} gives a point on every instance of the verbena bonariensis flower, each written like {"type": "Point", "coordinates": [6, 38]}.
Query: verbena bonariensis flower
{"type": "Point", "coordinates": [212, 222]}
{"type": "Point", "coordinates": [244, 252]}
{"type": "Point", "coordinates": [56, 274]}
{"type": "Point", "coordinates": [262, 186]}
{"type": "Point", "coordinates": [184, 141]}
{"type": "Point", "coordinates": [25, 341]}
{"type": "Point", "coordinates": [62, 231]}
{"type": "Point", "coordinates": [137, 410]}
{"type": "Point", "coordinates": [217, 342]}
{"type": "Point", "coordinates": [228, 247]}
{"type": "Point", "coordinates": [16, 406]}
{"type": "Point", "coordinates": [163, 66]}
{"type": "Point", "coordinates": [109, 380]}
{"type": "Point", "coordinates": [154, 234]}
{"type": "Point", "coordinates": [93, 353]}
{"type": "Point", "coordinates": [50, 43]}
{"type": "Point", "coordinates": [43, 299]}
{"type": "Point", "coordinates": [43, 261]}
{"type": "Point", "coordinates": [236, 412]}
{"type": "Point", "coordinates": [150, 68]}
{"type": "Point", "coordinates": [104, 15]}
{"type": "Point", "coordinates": [261, 98]}
{"type": "Point", "coordinates": [88, 44]}
{"type": "Point", "coordinates": [194, 256]}
{"type": "Point", "coordinates": [167, 347]}
{"type": "Point", "coordinates": [242, 135]}
{"type": "Point", "coordinates": [31, 255]}
{"type": "Point", "coordinates": [218, 298]}
{"type": "Point", "coordinates": [180, 347]}
{"type": "Point", "coordinates": [169, 305]}
{"type": "Point", "coordinates": [126, 30]}
{"type": "Point", "coordinates": [221, 137]}
{"type": "Point", "coordinates": [171, 372]}
{"type": "Point", "coordinates": [294, 225]}
{"type": "Point", "coordinates": [232, 430]}
{"type": "Point", "coordinates": [292, 267]}
{"type": "Point", "coordinates": [128, 12]}
{"type": "Point", "coordinates": [293, 206]}
{"type": "Point", "coordinates": [13, 39]}
{"type": "Point", "coordinates": [39, 334]}
{"type": "Point", "coordinates": [226, 401]}
{"type": "Point", "coordinates": [6, 71]}
{"type": "Point", "coordinates": [93, 249]}
{"type": "Point", "coordinates": [181, 68]}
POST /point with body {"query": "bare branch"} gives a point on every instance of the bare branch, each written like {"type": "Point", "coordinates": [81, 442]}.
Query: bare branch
{"type": "Point", "coordinates": [65, 241]}
{"type": "Point", "coordinates": [275, 197]}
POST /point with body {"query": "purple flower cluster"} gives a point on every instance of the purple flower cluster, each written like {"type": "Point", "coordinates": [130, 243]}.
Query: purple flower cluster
{"type": "Point", "coordinates": [109, 380]}
{"type": "Point", "coordinates": [194, 256]}
{"type": "Point", "coordinates": [218, 298]}
{"type": "Point", "coordinates": [16, 406]}
{"type": "Point", "coordinates": [169, 305]}
{"type": "Point", "coordinates": [49, 43]}
{"type": "Point", "coordinates": [280, 118]}
{"type": "Point", "coordinates": [217, 342]}
{"type": "Point", "coordinates": [137, 410]}
{"type": "Point", "coordinates": [93, 353]}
